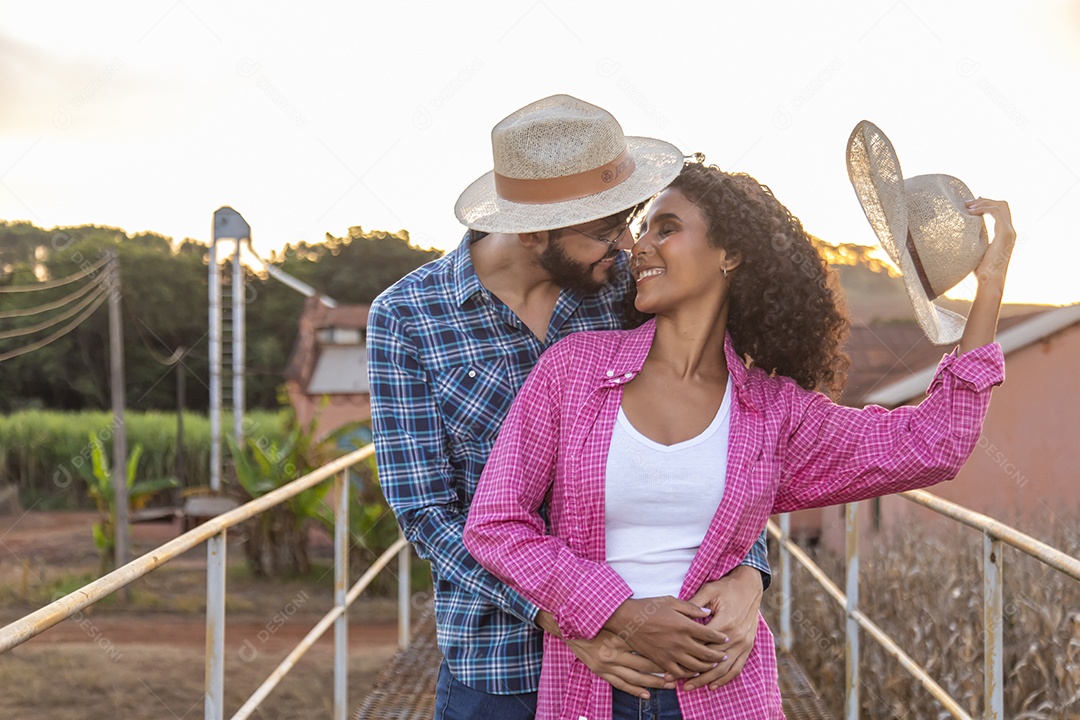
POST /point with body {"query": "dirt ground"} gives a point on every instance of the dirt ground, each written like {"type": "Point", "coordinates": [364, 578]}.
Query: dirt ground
{"type": "Point", "coordinates": [145, 658]}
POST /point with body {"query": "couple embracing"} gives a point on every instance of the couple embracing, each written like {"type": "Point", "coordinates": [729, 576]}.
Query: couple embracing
{"type": "Point", "coordinates": [585, 429]}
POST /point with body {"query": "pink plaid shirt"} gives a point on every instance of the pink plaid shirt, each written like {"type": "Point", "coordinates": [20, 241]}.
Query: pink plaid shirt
{"type": "Point", "coordinates": [789, 449]}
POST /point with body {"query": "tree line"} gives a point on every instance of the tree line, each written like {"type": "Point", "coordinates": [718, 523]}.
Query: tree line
{"type": "Point", "coordinates": [164, 287]}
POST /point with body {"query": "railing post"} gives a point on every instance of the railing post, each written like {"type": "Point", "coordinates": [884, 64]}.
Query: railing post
{"type": "Point", "coordinates": [214, 702]}
{"type": "Point", "coordinates": [785, 585]}
{"type": "Point", "coordinates": [404, 595]}
{"type": "Point", "coordinates": [341, 587]}
{"type": "Point", "coordinates": [993, 623]}
{"type": "Point", "coordinates": [851, 556]}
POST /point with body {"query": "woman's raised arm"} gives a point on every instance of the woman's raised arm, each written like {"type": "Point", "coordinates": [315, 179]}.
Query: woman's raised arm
{"type": "Point", "coordinates": [982, 321]}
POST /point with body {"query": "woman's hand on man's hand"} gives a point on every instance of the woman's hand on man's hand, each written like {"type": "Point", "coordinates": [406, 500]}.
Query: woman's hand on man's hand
{"type": "Point", "coordinates": [734, 600]}
{"type": "Point", "coordinates": [665, 630]}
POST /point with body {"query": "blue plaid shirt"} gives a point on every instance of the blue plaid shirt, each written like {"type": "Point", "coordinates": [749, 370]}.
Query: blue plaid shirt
{"type": "Point", "coordinates": [445, 359]}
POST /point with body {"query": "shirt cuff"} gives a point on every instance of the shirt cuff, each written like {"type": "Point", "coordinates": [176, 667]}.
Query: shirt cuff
{"type": "Point", "coordinates": [980, 369]}
{"type": "Point", "coordinates": [753, 561]}
{"type": "Point", "coordinates": [584, 613]}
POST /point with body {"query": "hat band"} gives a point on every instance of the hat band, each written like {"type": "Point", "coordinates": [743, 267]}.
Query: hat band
{"type": "Point", "coordinates": [919, 269]}
{"type": "Point", "coordinates": [568, 187]}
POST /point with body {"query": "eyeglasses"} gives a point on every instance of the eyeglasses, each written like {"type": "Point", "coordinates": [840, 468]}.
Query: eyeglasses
{"type": "Point", "coordinates": [609, 242]}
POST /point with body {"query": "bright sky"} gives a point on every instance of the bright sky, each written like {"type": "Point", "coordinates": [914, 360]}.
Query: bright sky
{"type": "Point", "coordinates": [311, 118]}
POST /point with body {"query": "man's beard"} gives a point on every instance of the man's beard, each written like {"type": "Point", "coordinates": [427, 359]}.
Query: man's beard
{"type": "Point", "coordinates": [569, 273]}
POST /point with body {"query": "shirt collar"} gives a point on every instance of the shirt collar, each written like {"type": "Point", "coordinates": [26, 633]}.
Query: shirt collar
{"type": "Point", "coordinates": [631, 353]}
{"type": "Point", "coordinates": [465, 281]}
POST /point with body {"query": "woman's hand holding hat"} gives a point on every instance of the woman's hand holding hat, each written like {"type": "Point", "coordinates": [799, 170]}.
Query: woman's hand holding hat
{"type": "Point", "coordinates": [923, 223]}
{"type": "Point", "coordinates": [996, 260]}
{"type": "Point", "coordinates": [982, 320]}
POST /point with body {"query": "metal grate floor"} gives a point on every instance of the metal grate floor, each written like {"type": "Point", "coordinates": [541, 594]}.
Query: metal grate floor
{"type": "Point", "coordinates": [801, 701]}
{"type": "Point", "coordinates": [405, 689]}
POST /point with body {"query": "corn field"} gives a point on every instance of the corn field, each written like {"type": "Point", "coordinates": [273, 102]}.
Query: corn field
{"type": "Point", "coordinates": [926, 592]}
{"type": "Point", "coordinates": [41, 451]}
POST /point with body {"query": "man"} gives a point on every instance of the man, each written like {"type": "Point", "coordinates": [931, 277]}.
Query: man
{"type": "Point", "coordinates": [450, 345]}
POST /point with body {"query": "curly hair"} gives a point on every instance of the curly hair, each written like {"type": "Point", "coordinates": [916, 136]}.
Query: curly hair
{"type": "Point", "coordinates": [786, 304]}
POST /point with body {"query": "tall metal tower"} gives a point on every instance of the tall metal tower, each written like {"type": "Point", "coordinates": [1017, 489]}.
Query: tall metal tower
{"type": "Point", "coordinates": [226, 326]}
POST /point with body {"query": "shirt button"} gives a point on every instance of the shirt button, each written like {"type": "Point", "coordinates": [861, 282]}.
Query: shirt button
{"type": "Point", "coordinates": [629, 374]}
{"type": "Point", "coordinates": [610, 373]}
{"type": "Point", "coordinates": [472, 373]}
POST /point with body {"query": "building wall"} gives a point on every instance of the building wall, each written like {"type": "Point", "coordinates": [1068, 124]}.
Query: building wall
{"type": "Point", "coordinates": [1025, 469]}
{"type": "Point", "coordinates": [339, 410]}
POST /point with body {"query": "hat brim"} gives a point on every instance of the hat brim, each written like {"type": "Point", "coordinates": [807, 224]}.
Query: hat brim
{"type": "Point", "coordinates": [656, 164]}
{"type": "Point", "coordinates": [874, 171]}
{"type": "Point", "coordinates": [941, 326]}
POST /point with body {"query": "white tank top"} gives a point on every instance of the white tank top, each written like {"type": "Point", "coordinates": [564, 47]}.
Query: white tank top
{"type": "Point", "coordinates": [660, 500]}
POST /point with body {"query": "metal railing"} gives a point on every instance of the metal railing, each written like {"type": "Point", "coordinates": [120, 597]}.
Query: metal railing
{"type": "Point", "coordinates": [213, 532]}
{"type": "Point", "coordinates": [995, 536]}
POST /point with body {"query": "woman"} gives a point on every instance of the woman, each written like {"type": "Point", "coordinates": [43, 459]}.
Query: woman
{"type": "Point", "coordinates": [611, 427]}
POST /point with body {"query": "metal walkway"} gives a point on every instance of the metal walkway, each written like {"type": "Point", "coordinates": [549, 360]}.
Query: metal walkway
{"type": "Point", "coordinates": [405, 689]}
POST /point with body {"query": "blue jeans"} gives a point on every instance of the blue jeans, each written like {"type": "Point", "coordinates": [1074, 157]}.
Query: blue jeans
{"type": "Point", "coordinates": [455, 700]}
{"type": "Point", "coordinates": [661, 705]}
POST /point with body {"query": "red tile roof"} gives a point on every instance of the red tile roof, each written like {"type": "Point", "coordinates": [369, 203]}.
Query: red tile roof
{"type": "Point", "coordinates": [884, 353]}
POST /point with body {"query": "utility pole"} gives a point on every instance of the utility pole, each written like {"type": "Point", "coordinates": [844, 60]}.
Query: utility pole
{"type": "Point", "coordinates": [181, 397]}
{"type": "Point", "coordinates": [116, 367]}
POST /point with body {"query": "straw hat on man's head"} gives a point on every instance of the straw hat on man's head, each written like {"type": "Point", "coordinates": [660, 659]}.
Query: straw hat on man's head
{"type": "Point", "coordinates": [561, 162]}
{"type": "Point", "coordinates": [922, 223]}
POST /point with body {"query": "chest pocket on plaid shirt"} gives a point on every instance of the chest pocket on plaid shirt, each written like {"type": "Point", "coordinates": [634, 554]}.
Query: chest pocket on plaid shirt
{"type": "Point", "coordinates": [474, 399]}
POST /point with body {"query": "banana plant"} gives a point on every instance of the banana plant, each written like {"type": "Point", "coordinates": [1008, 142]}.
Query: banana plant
{"type": "Point", "coordinates": [99, 484]}
{"type": "Point", "coordinates": [276, 540]}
